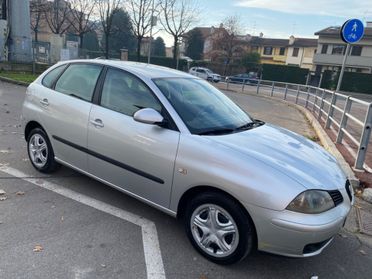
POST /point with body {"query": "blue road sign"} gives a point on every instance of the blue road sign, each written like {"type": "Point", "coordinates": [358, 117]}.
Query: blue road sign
{"type": "Point", "coordinates": [352, 31]}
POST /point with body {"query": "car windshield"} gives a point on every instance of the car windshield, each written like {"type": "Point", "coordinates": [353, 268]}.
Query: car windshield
{"type": "Point", "coordinates": [208, 71]}
{"type": "Point", "coordinates": [203, 108]}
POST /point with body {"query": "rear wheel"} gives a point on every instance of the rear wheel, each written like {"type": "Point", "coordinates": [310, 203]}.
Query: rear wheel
{"type": "Point", "coordinates": [40, 151]}
{"type": "Point", "coordinates": [218, 228]}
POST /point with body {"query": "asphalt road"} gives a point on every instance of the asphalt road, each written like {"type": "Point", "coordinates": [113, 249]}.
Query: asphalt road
{"type": "Point", "coordinates": [81, 226]}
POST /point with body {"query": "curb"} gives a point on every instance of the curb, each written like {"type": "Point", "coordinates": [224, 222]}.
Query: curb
{"type": "Point", "coordinates": [17, 82]}
{"type": "Point", "coordinates": [322, 135]}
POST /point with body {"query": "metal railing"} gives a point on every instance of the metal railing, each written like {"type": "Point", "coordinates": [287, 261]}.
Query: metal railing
{"type": "Point", "coordinates": [350, 118]}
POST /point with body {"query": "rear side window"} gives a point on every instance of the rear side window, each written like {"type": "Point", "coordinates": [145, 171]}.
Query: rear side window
{"type": "Point", "coordinates": [79, 80]}
{"type": "Point", "coordinates": [50, 77]}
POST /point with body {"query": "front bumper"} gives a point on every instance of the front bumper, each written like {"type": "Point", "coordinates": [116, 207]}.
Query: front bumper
{"type": "Point", "coordinates": [295, 234]}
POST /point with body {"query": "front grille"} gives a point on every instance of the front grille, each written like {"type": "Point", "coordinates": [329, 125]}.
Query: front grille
{"type": "Point", "coordinates": [348, 189]}
{"type": "Point", "coordinates": [336, 197]}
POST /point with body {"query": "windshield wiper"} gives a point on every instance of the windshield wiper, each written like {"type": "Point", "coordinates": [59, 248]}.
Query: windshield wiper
{"type": "Point", "coordinates": [255, 123]}
{"type": "Point", "coordinates": [217, 132]}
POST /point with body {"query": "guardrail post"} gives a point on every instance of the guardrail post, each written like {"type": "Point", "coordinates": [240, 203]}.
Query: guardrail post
{"type": "Point", "coordinates": [315, 100]}
{"type": "Point", "coordinates": [227, 84]}
{"type": "Point", "coordinates": [343, 122]}
{"type": "Point", "coordinates": [258, 86]}
{"type": "Point", "coordinates": [321, 106]}
{"type": "Point", "coordinates": [243, 85]}
{"type": "Point", "coordinates": [286, 91]}
{"type": "Point", "coordinates": [272, 89]}
{"type": "Point", "coordinates": [363, 145]}
{"type": "Point", "coordinates": [298, 93]}
{"type": "Point", "coordinates": [330, 111]}
{"type": "Point", "coordinates": [307, 97]}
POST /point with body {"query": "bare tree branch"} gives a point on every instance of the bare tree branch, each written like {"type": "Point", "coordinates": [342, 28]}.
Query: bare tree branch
{"type": "Point", "coordinates": [80, 17]}
{"type": "Point", "coordinates": [37, 13]}
{"type": "Point", "coordinates": [106, 10]}
{"type": "Point", "coordinates": [177, 17]}
{"type": "Point", "coordinates": [56, 15]}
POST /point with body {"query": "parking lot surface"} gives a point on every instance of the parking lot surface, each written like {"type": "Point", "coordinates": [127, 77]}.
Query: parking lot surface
{"type": "Point", "coordinates": [67, 225]}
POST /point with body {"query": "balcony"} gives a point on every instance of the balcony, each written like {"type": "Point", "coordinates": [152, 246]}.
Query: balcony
{"type": "Point", "coordinates": [336, 60]}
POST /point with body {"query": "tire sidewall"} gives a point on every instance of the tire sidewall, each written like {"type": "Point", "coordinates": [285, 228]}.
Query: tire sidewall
{"type": "Point", "coordinates": [244, 225]}
{"type": "Point", "coordinates": [50, 164]}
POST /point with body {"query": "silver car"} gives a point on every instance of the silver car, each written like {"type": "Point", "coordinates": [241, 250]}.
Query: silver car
{"type": "Point", "coordinates": [177, 143]}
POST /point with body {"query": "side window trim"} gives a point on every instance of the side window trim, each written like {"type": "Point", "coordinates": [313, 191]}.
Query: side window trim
{"type": "Point", "coordinates": [98, 95]}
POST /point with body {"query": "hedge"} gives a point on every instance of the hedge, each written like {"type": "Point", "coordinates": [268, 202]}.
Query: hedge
{"type": "Point", "coordinates": [161, 61]}
{"type": "Point", "coordinates": [283, 73]}
{"type": "Point", "coordinates": [351, 82]}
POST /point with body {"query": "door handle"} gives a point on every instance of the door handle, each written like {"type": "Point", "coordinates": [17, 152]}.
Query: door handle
{"type": "Point", "coordinates": [44, 102]}
{"type": "Point", "coordinates": [97, 123]}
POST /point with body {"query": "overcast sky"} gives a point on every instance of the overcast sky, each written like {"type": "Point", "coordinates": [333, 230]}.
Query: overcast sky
{"type": "Point", "coordinates": [282, 18]}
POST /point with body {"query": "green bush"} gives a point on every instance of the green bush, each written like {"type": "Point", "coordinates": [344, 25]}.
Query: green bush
{"type": "Point", "coordinates": [351, 82]}
{"type": "Point", "coordinates": [284, 73]}
{"type": "Point", "coordinates": [161, 61]}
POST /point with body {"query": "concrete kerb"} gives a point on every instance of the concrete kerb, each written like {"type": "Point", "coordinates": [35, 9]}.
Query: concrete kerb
{"type": "Point", "coordinates": [9, 80]}
{"type": "Point", "coordinates": [322, 135]}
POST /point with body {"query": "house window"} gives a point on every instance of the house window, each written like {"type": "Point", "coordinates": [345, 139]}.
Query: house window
{"type": "Point", "coordinates": [356, 51]}
{"type": "Point", "coordinates": [268, 50]}
{"type": "Point", "coordinates": [324, 49]}
{"type": "Point", "coordinates": [295, 52]}
{"type": "Point", "coordinates": [338, 49]}
{"type": "Point", "coordinates": [282, 51]}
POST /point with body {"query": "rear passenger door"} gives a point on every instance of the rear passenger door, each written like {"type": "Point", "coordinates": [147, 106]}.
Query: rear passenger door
{"type": "Point", "coordinates": [137, 157]}
{"type": "Point", "coordinates": [65, 109]}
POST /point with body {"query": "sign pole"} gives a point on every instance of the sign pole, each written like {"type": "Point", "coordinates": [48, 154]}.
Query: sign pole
{"type": "Point", "coordinates": [343, 68]}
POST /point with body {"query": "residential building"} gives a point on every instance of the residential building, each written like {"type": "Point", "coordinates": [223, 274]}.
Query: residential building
{"type": "Point", "coordinates": [300, 52]}
{"type": "Point", "coordinates": [272, 51]}
{"type": "Point", "coordinates": [331, 50]}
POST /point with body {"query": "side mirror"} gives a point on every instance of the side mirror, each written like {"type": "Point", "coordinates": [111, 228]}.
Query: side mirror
{"type": "Point", "coordinates": [148, 116]}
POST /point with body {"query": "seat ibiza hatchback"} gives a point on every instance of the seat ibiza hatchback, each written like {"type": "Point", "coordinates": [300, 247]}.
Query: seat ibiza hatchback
{"type": "Point", "coordinates": [177, 143]}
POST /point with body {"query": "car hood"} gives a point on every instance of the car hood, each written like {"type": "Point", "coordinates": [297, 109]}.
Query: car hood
{"type": "Point", "coordinates": [293, 155]}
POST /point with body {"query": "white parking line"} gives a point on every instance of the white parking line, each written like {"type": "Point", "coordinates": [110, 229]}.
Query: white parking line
{"type": "Point", "coordinates": [153, 259]}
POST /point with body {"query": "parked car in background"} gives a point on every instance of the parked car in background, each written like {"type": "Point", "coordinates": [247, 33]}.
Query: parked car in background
{"type": "Point", "coordinates": [205, 73]}
{"type": "Point", "coordinates": [247, 78]}
{"type": "Point", "coordinates": [179, 144]}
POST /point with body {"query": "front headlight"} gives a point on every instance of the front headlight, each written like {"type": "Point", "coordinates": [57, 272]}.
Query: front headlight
{"type": "Point", "coordinates": [312, 202]}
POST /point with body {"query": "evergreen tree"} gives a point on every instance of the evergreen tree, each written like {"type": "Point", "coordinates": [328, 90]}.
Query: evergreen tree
{"type": "Point", "coordinates": [158, 47]}
{"type": "Point", "coordinates": [195, 45]}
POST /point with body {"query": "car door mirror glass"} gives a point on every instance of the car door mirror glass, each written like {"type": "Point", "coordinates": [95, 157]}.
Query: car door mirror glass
{"type": "Point", "coordinates": [148, 116]}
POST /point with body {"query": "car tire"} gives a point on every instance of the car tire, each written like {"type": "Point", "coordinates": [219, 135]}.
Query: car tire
{"type": "Point", "coordinates": [224, 239]}
{"type": "Point", "coordinates": [40, 151]}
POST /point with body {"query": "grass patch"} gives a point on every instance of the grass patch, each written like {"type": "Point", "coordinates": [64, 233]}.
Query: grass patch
{"type": "Point", "coordinates": [19, 76]}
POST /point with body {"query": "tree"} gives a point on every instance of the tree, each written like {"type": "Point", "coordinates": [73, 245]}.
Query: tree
{"type": "Point", "coordinates": [107, 10]}
{"type": "Point", "coordinates": [37, 14]}
{"type": "Point", "coordinates": [195, 44]}
{"type": "Point", "coordinates": [91, 41]}
{"type": "Point", "coordinates": [177, 17]}
{"type": "Point", "coordinates": [159, 47]}
{"type": "Point", "coordinates": [141, 12]}
{"type": "Point", "coordinates": [80, 17]}
{"type": "Point", "coordinates": [251, 61]}
{"type": "Point", "coordinates": [56, 15]}
{"type": "Point", "coordinates": [227, 38]}
{"type": "Point", "coordinates": [122, 32]}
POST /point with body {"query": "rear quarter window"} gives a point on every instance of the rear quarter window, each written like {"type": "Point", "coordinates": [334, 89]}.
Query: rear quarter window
{"type": "Point", "coordinates": [50, 77]}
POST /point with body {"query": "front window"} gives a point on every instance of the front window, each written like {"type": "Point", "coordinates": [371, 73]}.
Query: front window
{"type": "Point", "coordinates": [268, 50]}
{"type": "Point", "coordinates": [295, 52]}
{"type": "Point", "coordinates": [203, 108]}
{"type": "Point", "coordinates": [338, 50]}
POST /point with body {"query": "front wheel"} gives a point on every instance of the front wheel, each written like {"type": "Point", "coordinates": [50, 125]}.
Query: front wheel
{"type": "Point", "coordinates": [218, 228]}
{"type": "Point", "coordinates": [40, 151]}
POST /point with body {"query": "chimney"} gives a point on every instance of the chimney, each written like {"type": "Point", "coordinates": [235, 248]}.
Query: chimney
{"type": "Point", "coordinates": [261, 35]}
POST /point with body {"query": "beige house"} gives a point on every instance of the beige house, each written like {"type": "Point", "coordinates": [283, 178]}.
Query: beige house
{"type": "Point", "coordinates": [331, 50]}
{"type": "Point", "coordinates": [300, 52]}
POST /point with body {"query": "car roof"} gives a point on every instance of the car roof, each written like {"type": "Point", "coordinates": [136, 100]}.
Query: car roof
{"type": "Point", "coordinates": [141, 69]}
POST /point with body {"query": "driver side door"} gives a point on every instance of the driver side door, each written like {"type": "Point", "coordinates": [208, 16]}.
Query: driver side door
{"type": "Point", "coordinates": [136, 157]}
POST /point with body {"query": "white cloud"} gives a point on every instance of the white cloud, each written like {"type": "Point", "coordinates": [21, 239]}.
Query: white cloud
{"type": "Point", "coordinates": [340, 8]}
